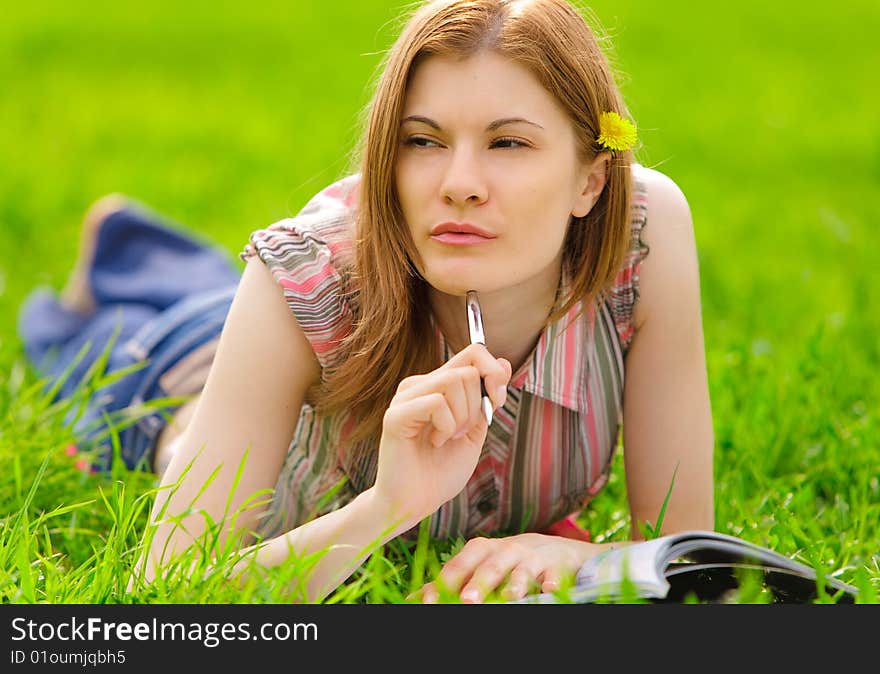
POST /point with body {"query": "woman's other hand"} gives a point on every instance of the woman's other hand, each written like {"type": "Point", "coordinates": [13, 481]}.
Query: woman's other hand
{"type": "Point", "coordinates": [434, 429]}
{"type": "Point", "coordinates": [515, 565]}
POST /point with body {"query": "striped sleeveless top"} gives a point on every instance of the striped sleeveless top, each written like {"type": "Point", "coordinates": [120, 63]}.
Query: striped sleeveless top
{"type": "Point", "coordinates": [549, 449]}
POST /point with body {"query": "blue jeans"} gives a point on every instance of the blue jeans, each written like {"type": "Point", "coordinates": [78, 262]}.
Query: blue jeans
{"type": "Point", "coordinates": [160, 296]}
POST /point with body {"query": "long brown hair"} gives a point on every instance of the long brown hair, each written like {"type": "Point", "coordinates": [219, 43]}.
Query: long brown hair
{"type": "Point", "coordinates": [392, 336]}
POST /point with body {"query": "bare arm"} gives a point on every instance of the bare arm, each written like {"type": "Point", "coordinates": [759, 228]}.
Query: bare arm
{"type": "Point", "coordinates": [667, 413]}
{"type": "Point", "coordinates": [251, 402]}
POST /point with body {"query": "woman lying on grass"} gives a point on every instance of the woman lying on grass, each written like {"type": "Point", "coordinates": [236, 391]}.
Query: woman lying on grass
{"type": "Point", "coordinates": [497, 158]}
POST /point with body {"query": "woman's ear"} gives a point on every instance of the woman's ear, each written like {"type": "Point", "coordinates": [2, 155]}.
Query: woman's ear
{"type": "Point", "coordinates": [591, 182]}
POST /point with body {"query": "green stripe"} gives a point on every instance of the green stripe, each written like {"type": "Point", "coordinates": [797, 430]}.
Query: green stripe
{"type": "Point", "coordinates": [517, 473]}
{"type": "Point", "coordinates": [547, 365]}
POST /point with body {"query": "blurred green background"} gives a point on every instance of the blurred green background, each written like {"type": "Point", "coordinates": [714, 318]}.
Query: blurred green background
{"type": "Point", "coordinates": [229, 115]}
{"type": "Point", "coordinates": [226, 116]}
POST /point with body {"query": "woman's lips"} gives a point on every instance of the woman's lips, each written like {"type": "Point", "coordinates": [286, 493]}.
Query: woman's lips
{"type": "Point", "coordinates": [460, 239]}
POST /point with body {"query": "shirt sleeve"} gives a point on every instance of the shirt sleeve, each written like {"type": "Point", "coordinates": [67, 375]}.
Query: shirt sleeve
{"type": "Point", "coordinates": [309, 255]}
{"type": "Point", "coordinates": [625, 291]}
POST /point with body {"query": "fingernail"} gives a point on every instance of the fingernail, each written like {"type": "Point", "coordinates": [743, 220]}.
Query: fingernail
{"type": "Point", "coordinates": [501, 393]}
{"type": "Point", "coordinates": [430, 598]}
{"type": "Point", "coordinates": [513, 592]}
{"type": "Point", "coordinates": [470, 596]}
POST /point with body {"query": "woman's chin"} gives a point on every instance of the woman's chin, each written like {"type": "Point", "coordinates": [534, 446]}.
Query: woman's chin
{"type": "Point", "coordinates": [460, 284]}
{"type": "Point", "coordinates": [456, 277]}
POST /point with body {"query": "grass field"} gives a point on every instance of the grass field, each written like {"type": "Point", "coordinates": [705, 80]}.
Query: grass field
{"type": "Point", "coordinates": [228, 116]}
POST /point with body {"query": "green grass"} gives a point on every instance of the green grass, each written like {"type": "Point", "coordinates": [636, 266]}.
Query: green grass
{"type": "Point", "coordinates": [228, 116]}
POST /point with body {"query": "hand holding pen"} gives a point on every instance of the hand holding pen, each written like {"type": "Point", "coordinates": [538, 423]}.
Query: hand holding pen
{"type": "Point", "coordinates": [433, 431]}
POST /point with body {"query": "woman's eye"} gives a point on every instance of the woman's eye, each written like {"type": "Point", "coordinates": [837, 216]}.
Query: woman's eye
{"type": "Point", "coordinates": [415, 140]}
{"type": "Point", "coordinates": [518, 143]}
{"type": "Point", "coordinates": [500, 142]}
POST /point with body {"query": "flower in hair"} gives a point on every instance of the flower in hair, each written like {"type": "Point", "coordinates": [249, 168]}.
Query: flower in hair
{"type": "Point", "coordinates": [615, 132]}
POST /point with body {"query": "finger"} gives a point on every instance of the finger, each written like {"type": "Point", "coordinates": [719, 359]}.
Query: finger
{"type": "Point", "coordinates": [501, 387]}
{"type": "Point", "coordinates": [409, 382]}
{"type": "Point", "coordinates": [408, 419]}
{"type": "Point", "coordinates": [492, 572]}
{"type": "Point", "coordinates": [457, 571]}
{"type": "Point", "coordinates": [462, 391]}
{"type": "Point", "coordinates": [460, 387]}
{"type": "Point", "coordinates": [555, 576]}
{"type": "Point", "coordinates": [525, 577]}
{"type": "Point", "coordinates": [427, 594]}
{"type": "Point", "coordinates": [471, 380]}
{"type": "Point", "coordinates": [430, 595]}
{"type": "Point", "coordinates": [477, 432]}
{"type": "Point", "coordinates": [496, 372]}
{"type": "Point", "coordinates": [437, 381]}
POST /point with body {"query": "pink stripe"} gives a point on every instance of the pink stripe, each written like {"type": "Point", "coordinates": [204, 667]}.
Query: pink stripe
{"type": "Point", "coordinates": [624, 276]}
{"type": "Point", "coordinates": [311, 282]}
{"type": "Point", "coordinates": [338, 247]}
{"type": "Point", "coordinates": [332, 341]}
{"type": "Point", "coordinates": [322, 347]}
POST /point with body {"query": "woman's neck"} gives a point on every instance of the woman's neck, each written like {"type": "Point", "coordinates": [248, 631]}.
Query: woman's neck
{"type": "Point", "coordinates": [513, 317]}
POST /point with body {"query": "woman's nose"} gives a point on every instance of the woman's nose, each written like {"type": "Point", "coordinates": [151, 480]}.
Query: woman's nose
{"type": "Point", "coordinates": [464, 181]}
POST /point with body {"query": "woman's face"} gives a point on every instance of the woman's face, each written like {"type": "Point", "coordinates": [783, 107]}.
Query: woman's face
{"type": "Point", "coordinates": [519, 182]}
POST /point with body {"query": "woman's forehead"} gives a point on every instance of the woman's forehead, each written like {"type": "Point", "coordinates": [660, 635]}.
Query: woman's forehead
{"type": "Point", "coordinates": [487, 69]}
{"type": "Point", "coordinates": [482, 90]}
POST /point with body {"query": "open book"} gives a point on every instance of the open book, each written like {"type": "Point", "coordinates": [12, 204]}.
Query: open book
{"type": "Point", "coordinates": [704, 564]}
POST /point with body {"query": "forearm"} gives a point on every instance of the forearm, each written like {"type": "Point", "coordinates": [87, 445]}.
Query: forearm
{"type": "Point", "coordinates": [347, 536]}
{"type": "Point", "coordinates": [197, 489]}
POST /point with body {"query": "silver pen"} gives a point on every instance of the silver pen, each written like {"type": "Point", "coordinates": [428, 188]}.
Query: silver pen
{"type": "Point", "coordinates": [477, 336]}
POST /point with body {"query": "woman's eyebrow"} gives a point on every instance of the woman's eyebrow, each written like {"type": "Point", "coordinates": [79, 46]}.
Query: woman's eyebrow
{"type": "Point", "coordinates": [494, 125]}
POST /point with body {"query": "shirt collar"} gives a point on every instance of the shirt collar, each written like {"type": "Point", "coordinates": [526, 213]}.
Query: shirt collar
{"type": "Point", "coordinates": [556, 369]}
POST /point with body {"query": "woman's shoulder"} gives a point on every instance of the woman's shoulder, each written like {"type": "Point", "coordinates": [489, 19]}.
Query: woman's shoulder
{"type": "Point", "coordinates": [661, 191]}
{"type": "Point", "coordinates": [656, 201]}
{"type": "Point", "coordinates": [665, 234]}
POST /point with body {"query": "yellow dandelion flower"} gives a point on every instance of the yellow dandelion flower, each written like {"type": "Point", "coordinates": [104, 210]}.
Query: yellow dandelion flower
{"type": "Point", "coordinates": [616, 133]}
